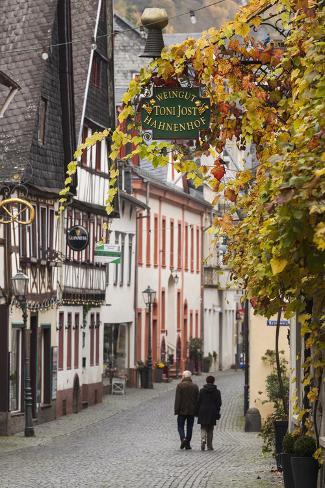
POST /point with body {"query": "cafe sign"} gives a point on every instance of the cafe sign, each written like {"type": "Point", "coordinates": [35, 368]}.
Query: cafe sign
{"type": "Point", "coordinates": [175, 113]}
{"type": "Point", "coordinates": [77, 238]}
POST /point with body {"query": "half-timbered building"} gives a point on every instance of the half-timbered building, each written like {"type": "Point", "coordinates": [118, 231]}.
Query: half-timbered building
{"type": "Point", "coordinates": [63, 77]}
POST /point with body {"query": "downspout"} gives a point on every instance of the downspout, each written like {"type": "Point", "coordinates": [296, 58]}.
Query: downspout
{"type": "Point", "coordinates": [202, 283]}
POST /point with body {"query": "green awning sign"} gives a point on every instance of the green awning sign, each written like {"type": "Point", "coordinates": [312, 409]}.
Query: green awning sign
{"type": "Point", "coordinates": [107, 253]}
{"type": "Point", "coordinates": [175, 113]}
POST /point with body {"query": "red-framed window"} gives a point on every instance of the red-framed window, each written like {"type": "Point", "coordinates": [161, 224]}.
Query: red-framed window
{"type": "Point", "coordinates": [186, 248]}
{"type": "Point", "coordinates": [198, 261]}
{"type": "Point", "coordinates": [179, 245]}
{"type": "Point", "coordinates": [92, 332]}
{"type": "Point", "coordinates": [171, 244]}
{"type": "Point", "coordinates": [76, 340]}
{"type": "Point", "coordinates": [178, 310]}
{"type": "Point", "coordinates": [140, 239]}
{"type": "Point", "coordinates": [192, 249]}
{"type": "Point", "coordinates": [69, 341]}
{"type": "Point", "coordinates": [139, 335]}
{"type": "Point", "coordinates": [156, 240]}
{"type": "Point", "coordinates": [61, 340]}
{"type": "Point", "coordinates": [163, 309]}
{"type": "Point", "coordinates": [148, 239]}
{"type": "Point", "coordinates": [191, 323]}
{"type": "Point", "coordinates": [163, 241]}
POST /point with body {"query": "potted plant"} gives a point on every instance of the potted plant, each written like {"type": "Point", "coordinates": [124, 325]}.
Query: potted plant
{"type": "Point", "coordinates": [159, 368]}
{"type": "Point", "coordinates": [207, 361]}
{"type": "Point", "coordinates": [288, 445]}
{"type": "Point", "coordinates": [277, 390]}
{"type": "Point", "coordinates": [141, 367]}
{"type": "Point", "coordinates": [304, 466]}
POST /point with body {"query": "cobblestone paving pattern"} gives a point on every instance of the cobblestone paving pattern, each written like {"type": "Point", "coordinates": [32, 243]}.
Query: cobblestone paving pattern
{"type": "Point", "coordinates": [132, 442]}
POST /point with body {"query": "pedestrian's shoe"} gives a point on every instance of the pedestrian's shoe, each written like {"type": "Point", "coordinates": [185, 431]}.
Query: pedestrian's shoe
{"type": "Point", "coordinates": [188, 445]}
{"type": "Point", "coordinates": [210, 448]}
{"type": "Point", "coordinates": [183, 443]}
{"type": "Point", "coordinates": [203, 446]}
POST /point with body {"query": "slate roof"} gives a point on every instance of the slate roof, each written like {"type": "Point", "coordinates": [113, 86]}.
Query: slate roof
{"type": "Point", "coordinates": [23, 25]}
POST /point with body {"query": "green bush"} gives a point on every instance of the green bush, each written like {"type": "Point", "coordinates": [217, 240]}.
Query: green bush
{"type": "Point", "coordinates": [288, 443]}
{"type": "Point", "coordinates": [304, 446]}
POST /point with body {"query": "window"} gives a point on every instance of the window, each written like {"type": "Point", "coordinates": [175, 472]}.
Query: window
{"type": "Point", "coordinates": [61, 339]}
{"type": "Point", "coordinates": [97, 337]}
{"type": "Point", "coordinates": [98, 155]}
{"type": "Point", "coordinates": [46, 366]}
{"type": "Point", "coordinates": [192, 249]}
{"type": "Point", "coordinates": [42, 121]}
{"type": "Point", "coordinates": [139, 335]}
{"type": "Point", "coordinates": [148, 238]}
{"type": "Point", "coordinates": [198, 250]}
{"type": "Point", "coordinates": [33, 235]}
{"type": "Point", "coordinates": [92, 328]}
{"type": "Point", "coordinates": [179, 246]}
{"type": "Point", "coordinates": [178, 310]}
{"type": "Point", "coordinates": [23, 236]}
{"type": "Point", "coordinates": [16, 370]}
{"type": "Point", "coordinates": [69, 332]}
{"type": "Point", "coordinates": [186, 248]}
{"type": "Point", "coordinates": [84, 152]}
{"type": "Point", "coordinates": [197, 324]}
{"type": "Point", "coordinates": [140, 235]}
{"type": "Point", "coordinates": [171, 250]}
{"type": "Point", "coordinates": [43, 232]}
{"type": "Point", "coordinates": [51, 224]}
{"type": "Point", "coordinates": [191, 323]}
{"type": "Point", "coordinates": [163, 242]}
{"type": "Point", "coordinates": [130, 259]}
{"type": "Point", "coordinates": [95, 71]}
{"type": "Point", "coordinates": [122, 262]}
{"type": "Point", "coordinates": [117, 241]}
{"type": "Point", "coordinates": [163, 309]}
{"type": "Point", "coordinates": [156, 241]}
{"type": "Point", "coordinates": [76, 341]}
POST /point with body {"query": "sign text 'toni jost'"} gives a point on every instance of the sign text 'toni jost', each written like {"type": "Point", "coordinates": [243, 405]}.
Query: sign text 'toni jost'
{"type": "Point", "coordinates": [175, 113]}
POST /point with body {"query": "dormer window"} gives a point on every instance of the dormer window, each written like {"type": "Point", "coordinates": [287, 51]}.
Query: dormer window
{"type": "Point", "coordinates": [42, 121]}
{"type": "Point", "coordinates": [95, 71]}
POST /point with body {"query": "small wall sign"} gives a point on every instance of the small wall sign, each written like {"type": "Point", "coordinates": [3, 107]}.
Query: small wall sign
{"type": "Point", "coordinates": [284, 323]}
{"type": "Point", "coordinates": [77, 238]}
{"type": "Point", "coordinates": [175, 113]}
{"type": "Point", "coordinates": [107, 253]}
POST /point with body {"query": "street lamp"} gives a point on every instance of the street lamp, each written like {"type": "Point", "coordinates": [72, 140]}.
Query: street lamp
{"type": "Point", "coordinates": [20, 289]}
{"type": "Point", "coordinates": [149, 296]}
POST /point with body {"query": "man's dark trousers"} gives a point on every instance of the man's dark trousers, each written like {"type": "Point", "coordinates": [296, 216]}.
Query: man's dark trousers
{"type": "Point", "coordinates": [189, 419]}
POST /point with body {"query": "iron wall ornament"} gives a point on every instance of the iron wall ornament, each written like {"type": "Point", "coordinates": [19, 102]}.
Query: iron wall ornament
{"type": "Point", "coordinates": [16, 210]}
{"type": "Point", "coordinates": [77, 238]}
{"type": "Point", "coordinates": [175, 113]}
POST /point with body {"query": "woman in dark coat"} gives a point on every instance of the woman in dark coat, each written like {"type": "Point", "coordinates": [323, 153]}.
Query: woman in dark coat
{"type": "Point", "coordinates": [209, 404]}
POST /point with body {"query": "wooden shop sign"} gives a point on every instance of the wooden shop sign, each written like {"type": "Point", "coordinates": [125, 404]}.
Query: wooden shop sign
{"type": "Point", "coordinates": [175, 113]}
{"type": "Point", "coordinates": [77, 238]}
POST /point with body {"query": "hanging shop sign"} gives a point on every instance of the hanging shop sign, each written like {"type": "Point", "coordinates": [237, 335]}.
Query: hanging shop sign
{"type": "Point", "coordinates": [77, 238]}
{"type": "Point", "coordinates": [107, 253]}
{"type": "Point", "coordinates": [175, 113]}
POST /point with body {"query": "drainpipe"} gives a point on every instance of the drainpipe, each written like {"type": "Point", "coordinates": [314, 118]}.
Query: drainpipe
{"type": "Point", "coordinates": [246, 349]}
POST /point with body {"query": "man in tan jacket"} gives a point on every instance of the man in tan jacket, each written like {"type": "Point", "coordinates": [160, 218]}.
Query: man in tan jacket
{"type": "Point", "coordinates": [186, 400]}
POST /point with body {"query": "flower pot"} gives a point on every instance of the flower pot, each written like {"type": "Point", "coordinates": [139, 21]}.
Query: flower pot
{"type": "Point", "coordinates": [143, 377]}
{"type": "Point", "coordinates": [280, 430]}
{"type": "Point", "coordinates": [305, 472]}
{"type": "Point", "coordinates": [285, 460]}
{"type": "Point", "coordinates": [158, 375]}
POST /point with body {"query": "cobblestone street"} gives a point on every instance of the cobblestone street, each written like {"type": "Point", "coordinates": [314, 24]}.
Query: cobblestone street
{"type": "Point", "coordinates": [133, 442]}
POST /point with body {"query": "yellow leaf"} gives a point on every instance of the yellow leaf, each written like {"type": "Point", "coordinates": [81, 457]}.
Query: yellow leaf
{"type": "Point", "coordinates": [278, 265]}
{"type": "Point", "coordinates": [256, 21]}
{"type": "Point", "coordinates": [242, 29]}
